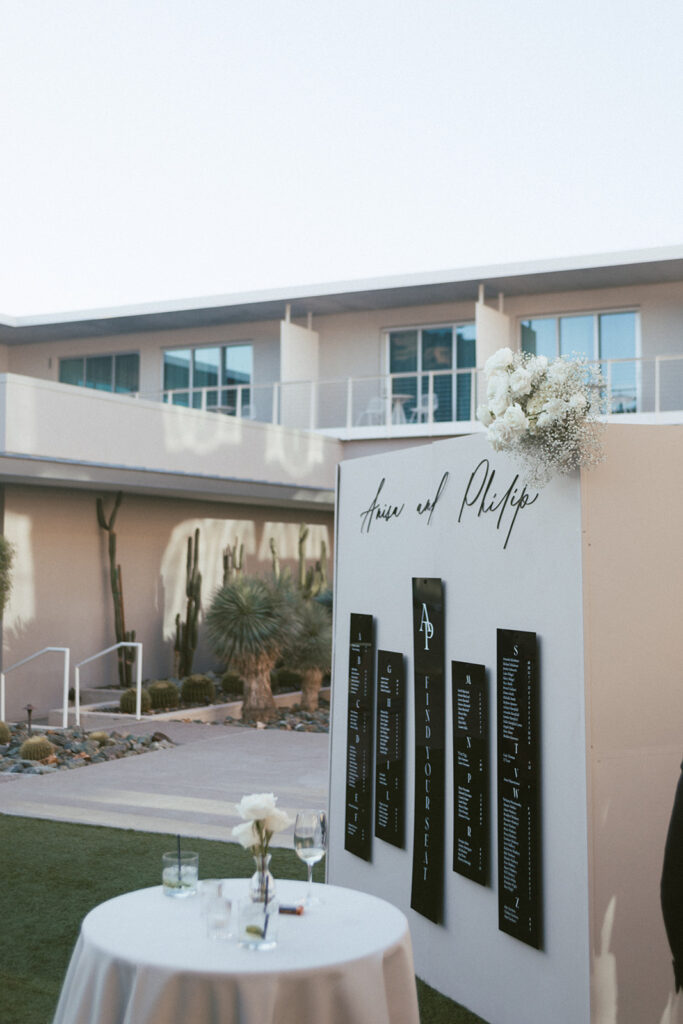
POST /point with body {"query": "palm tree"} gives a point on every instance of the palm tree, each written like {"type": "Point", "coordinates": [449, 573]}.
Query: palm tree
{"type": "Point", "coordinates": [246, 627]}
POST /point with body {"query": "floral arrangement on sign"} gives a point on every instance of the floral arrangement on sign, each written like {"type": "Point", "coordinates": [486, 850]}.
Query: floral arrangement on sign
{"type": "Point", "coordinates": [543, 413]}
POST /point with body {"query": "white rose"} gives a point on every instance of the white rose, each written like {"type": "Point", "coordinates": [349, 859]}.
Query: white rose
{"type": "Point", "coordinates": [256, 806]}
{"type": "Point", "coordinates": [246, 834]}
{"type": "Point", "coordinates": [537, 366]}
{"type": "Point", "coordinates": [520, 381]}
{"type": "Point", "coordinates": [500, 360]}
{"type": "Point", "coordinates": [495, 382]}
{"type": "Point", "coordinates": [278, 821]}
{"type": "Point", "coordinates": [499, 434]}
{"type": "Point", "coordinates": [484, 415]}
{"type": "Point", "coordinates": [515, 420]}
{"type": "Point", "coordinates": [499, 399]}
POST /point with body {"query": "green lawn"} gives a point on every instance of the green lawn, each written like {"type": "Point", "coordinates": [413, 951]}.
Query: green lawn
{"type": "Point", "coordinates": [54, 873]}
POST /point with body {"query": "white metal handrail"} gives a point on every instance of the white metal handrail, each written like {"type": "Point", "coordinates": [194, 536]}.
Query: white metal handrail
{"type": "Point", "coordinates": [340, 402]}
{"type": "Point", "coordinates": [93, 657]}
{"type": "Point", "coordinates": [232, 399]}
{"type": "Point", "coordinates": [65, 700]}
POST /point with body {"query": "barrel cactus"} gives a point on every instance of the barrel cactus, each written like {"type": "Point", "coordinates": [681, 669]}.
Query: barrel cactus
{"type": "Point", "coordinates": [163, 694]}
{"type": "Point", "coordinates": [35, 748]}
{"type": "Point", "coordinates": [198, 689]}
{"type": "Point", "coordinates": [128, 699]}
{"type": "Point", "coordinates": [99, 737]}
{"type": "Point", "coordinates": [232, 682]}
{"type": "Point", "coordinates": [285, 680]}
{"type": "Point", "coordinates": [5, 734]}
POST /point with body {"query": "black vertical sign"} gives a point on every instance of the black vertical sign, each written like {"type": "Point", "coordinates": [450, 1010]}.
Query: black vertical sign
{"type": "Point", "coordinates": [359, 739]}
{"type": "Point", "coordinates": [470, 771]}
{"type": "Point", "coordinates": [519, 827]}
{"type": "Point", "coordinates": [428, 839]}
{"type": "Point", "coordinates": [390, 749]}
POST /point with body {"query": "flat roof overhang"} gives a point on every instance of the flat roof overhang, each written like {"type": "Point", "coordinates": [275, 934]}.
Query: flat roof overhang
{"type": "Point", "coordinates": [654, 266]}
{"type": "Point", "coordinates": [36, 470]}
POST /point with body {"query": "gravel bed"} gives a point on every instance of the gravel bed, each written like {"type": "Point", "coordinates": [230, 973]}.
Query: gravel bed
{"type": "Point", "coordinates": [293, 718]}
{"type": "Point", "coordinates": [75, 748]}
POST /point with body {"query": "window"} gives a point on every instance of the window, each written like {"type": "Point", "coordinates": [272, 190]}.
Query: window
{"type": "Point", "coordinates": [210, 377]}
{"type": "Point", "coordinates": [120, 373]}
{"type": "Point", "coordinates": [609, 338]}
{"type": "Point", "coordinates": [424, 364]}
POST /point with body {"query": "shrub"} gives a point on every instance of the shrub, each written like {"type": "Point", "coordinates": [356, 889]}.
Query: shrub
{"type": "Point", "coordinates": [128, 700]}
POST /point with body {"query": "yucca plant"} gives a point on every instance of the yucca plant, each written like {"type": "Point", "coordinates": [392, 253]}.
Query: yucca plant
{"type": "Point", "coordinates": [310, 648]}
{"type": "Point", "coordinates": [246, 627]}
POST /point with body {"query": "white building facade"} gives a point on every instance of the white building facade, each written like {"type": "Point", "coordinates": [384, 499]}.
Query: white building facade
{"type": "Point", "coordinates": [232, 414]}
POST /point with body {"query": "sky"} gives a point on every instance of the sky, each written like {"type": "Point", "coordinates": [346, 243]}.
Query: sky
{"type": "Point", "coordinates": [154, 151]}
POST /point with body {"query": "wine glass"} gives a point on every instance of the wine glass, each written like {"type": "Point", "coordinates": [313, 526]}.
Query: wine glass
{"type": "Point", "coordinates": [310, 843]}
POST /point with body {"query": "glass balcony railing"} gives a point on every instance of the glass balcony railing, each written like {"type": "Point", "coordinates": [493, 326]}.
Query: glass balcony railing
{"type": "Point", "coordinates": [406, 403]}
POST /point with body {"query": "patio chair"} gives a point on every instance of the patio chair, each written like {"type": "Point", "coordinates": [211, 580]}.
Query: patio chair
{"type": "Point", "coordinates": [374, 412]}
{"type": "Point", "coordinates": [420, 413]}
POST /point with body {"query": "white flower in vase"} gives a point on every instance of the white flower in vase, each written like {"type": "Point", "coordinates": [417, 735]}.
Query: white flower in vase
{"type": "Point", "coordinates": [257, 806]}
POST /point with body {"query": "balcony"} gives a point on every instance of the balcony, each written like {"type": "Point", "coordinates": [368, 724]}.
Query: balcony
{"type": "Point", "coordinates": [63, 434]}
{"type": "Point", "coordinates": [424, 404]}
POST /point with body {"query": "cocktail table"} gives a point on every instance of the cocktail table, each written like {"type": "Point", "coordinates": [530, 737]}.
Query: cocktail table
{"type": "Point", "coordinates": [143, 958]}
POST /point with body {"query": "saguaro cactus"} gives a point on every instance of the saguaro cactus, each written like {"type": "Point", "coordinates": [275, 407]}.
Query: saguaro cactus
{"type": "Point", "coordinates": [275, 558]}
{"type": "Point", "coordinates": [312, 579]}
{"type": "Point", "coordinates": [186, 632]}
{"type": "Point", "coordinates": [126, 655]}
{"type": "Point", "coordinates": [303, 534]}
{"type": "Point", "coordinates": [233, 558]}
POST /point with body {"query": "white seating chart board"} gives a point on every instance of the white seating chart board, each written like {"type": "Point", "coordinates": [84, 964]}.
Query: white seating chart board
{"type": "Point", "coordinates": [540, 565]}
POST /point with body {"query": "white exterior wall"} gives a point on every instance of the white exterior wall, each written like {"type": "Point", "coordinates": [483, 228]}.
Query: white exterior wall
{"type": "Point", "coordinates": [51, 421]}
{"type": "Point", "coordinates": [41, 359]}
{"type": "Point", "coordinates": [61, 593]}
{"type": "Point", "coordinates": [353, 344]}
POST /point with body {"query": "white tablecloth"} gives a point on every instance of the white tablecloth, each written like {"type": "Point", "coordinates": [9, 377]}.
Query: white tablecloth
{"type": "Point", "coordinates": [144, 958]}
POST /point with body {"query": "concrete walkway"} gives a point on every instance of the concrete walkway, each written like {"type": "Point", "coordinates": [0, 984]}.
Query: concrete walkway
{"type": "Point", "coordinates": [191, 789]}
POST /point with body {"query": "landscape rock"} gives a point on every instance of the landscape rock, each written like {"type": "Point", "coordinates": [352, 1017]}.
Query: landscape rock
{"type": "Point", "coordinates": [73, 749]}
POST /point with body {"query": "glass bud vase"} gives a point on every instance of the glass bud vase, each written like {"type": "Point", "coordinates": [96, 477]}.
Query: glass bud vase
{"type": "Point", "coordinates": [262, 883]}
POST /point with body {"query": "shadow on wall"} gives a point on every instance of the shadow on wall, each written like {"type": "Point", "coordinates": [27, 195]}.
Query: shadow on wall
{"type": "Point", "coordinates": [254, 448]}
{"type": "Point", "coordinates": [215, 535]}
{"type": "Point", "coordinates": [604, 980]}
{"type": "Point", "coordinates": [21, 607]}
